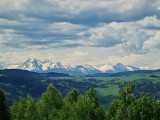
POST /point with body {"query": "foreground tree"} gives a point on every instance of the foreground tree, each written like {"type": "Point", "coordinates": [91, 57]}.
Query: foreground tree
{"type": "Point", "coordinates": [18, 109]}
{"type": "Point", "coordinates": [88, 108]}
{"type": "Point", "coordinates": [49, 104]}
{"type": "Point", "coordinates": [30, 110]}
{"type": "Point", "coordinates": [24, 109]}
{"type": "Point", "coordinates": [127, 107]}
{"type": "Point", "coordinates": [145, 108]}
{"type": "Point", "coordinates": [4, 110]}
{"type": "Point", "coordinates": [68, 105]}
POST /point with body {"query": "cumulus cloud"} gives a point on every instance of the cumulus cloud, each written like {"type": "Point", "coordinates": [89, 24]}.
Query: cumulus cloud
{"type": "Point", "coordinates": [126, 59]}
{"type": "Point", "coordinates": [128, 28]}
{"type": "Point", "coordinates": [14, 57]}
{"type": "Point", "coordinates": [79, 11]}
{"type": "Point", "coordinates": [149, 21]}
{"type": "Point", "coordinates": [56, 34]}
{"type": "Point", "coordinates": [153, 42]}
{"type": "Point", "coordinates": [75, 57]}
{"type": "Point", "coordinates": [130, 35]}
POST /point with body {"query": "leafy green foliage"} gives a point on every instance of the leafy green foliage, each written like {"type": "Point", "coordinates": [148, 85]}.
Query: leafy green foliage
{"type": "Point", "coordinates": [17, 83]}
{"type": "Point", "coordinates": [127, 107]}
{"type": "Point", "coordinates": [88, 107]}
{"type": "Point", "coordinates": [69, 101]}
{"type": "Point", "coordinates": [51, 106]}
{"type": "Point", "coordinates": [24, 109]}
{"type": "Point", "coordinates": [146, 86]}
{"type": "Point", "coordinates": [49, 103]}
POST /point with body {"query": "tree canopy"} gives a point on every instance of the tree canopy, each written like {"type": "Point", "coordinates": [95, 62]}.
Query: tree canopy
{"type": "Point", "coordinates": [4, 109]}
{"type": "Point", "coordinates": [128, 107]}
{"type": "Point", "coordinates": [52, 106]}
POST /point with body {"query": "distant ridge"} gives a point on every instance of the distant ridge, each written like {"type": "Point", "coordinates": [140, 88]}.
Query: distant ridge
{"type": "Point", "coordinates": [123, 73]}
{"type": "Point", "coordinates": [46, 66]}
{"type": "Point", "coordinates": [18, 72]}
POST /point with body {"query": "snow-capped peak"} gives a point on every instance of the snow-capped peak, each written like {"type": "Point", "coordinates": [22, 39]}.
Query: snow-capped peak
{"type": "Point", "coordinates": [106, 67]}
{"type": "Point", "coordinates": [50, 66]}
{"type": "Point", "coordinates": [31, 65]}
{"type": "Point", "coordinates": [2, 67]}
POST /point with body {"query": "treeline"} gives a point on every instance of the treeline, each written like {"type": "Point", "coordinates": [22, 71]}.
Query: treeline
{"type": "Point", "coordinates": [149, 87]}
{"type": "Point", "coordinates": [51, 106]}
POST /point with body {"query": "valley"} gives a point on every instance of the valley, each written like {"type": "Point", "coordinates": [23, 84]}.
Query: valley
{"type": "Point", "coordinates": [18, 83]}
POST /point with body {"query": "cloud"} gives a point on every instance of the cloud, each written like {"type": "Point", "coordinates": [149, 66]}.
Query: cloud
{"type": "Point", "coordinates": [78, 54]}
{"type": "Point", "coordinates": [101, 28]}
{"type": "Point", "coordinates": [56, 34]}
{"type": "Point", "coordinates": [14, 57]}
{"type": "Point", "coordinates": [126, 59]}
{"type": "Point", "coordinates": [153, 42]}
{"type": "Point", "coordinates": [79, 11]}
{"type": "Point", "coordinates": [149, 21]}
{"type": "Point", "coordinates": [130, 35]}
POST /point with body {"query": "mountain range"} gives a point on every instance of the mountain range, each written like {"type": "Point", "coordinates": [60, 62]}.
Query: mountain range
{"type": "Point", "coordinates": [46, 66]}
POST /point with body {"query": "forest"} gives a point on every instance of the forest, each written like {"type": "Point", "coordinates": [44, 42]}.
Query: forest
{"type": "Point", "coordinates": [74, 106]}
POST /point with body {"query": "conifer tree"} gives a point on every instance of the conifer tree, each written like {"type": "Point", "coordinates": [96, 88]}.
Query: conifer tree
{"type": "Point", "coordinates": [88, 108]}
{"type": "Point", "coordinates": [68, 105]}
{"type": "Point", "coordinates": [30, 110]}
{"type": "Point", "coordinates": [49, 104]}
{"type": "Point", "coordinates": [127, 107]}
{"type": "Point", "coordinates": [4, 109]}
{"type": "Point", "coordinates": [18, 109]}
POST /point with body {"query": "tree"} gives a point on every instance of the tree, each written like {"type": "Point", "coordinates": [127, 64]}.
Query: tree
{"type": "Point", "coordinates": [71, 97]}
{"type": "Point", "coordinates": [49, 103]}
{"type": "Point", "coordinates": [30, 110]}
{"type": "Point", "coordinates": [88, 108]}
{"type": "Point", "coordinates": [68, 105]}
{"type": "Point", "coordinates": [145, 108]}
{"type": "Point", "coordinates": [128, 107]}
{"type": "Point", "coordinates": [24, 109]}
{"type": "Point", "coordinates": [18, 109]}
{"type": "Point", "coordinates": [4, 110]}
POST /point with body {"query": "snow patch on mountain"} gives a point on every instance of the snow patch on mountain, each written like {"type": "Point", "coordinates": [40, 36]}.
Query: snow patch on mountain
{"type": "Point", "coordinates": [106, 68]}
{"type": "Point", "coordinates": [2, 67]}
{"type": "Point", "coordinates": [50, 66]}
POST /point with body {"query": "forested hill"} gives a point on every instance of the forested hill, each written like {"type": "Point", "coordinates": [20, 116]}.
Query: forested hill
{"type": "Point", "coordinates": [52, 106]}
{"type": "Point", "coordinates": [16, 83]}
{"type": "Point", "coordinates": [18, 72]}
{"type": "Point", "coordinates": [125, 73]}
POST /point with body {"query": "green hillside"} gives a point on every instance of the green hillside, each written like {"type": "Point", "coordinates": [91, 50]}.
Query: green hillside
{"type": "Point", "coordinates": [106, 88]}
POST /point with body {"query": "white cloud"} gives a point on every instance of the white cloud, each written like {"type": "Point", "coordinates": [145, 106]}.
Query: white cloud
{"type": "Point", "coordinates": [75, 57]}
{"type": "Point", "coordinates": [82, 31]}
{"type": "Point", "coordinates": [66, 28]}
{"type": "Point", "coordinates": [5, 22]}
{"type": "Point", "coordinates": [131, 59]}
{"type": "Point", "coordinates": [130, 35]}
{"type": "Point", "coordinates": [14, 57]}
{"type": "Point", "coordinates": [153, 42]}
{"type": "Point", "coordinates": [152, 21]}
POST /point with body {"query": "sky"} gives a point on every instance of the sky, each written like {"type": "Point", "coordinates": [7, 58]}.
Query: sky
{"type": "Point", "coordinates": [92, 32]}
